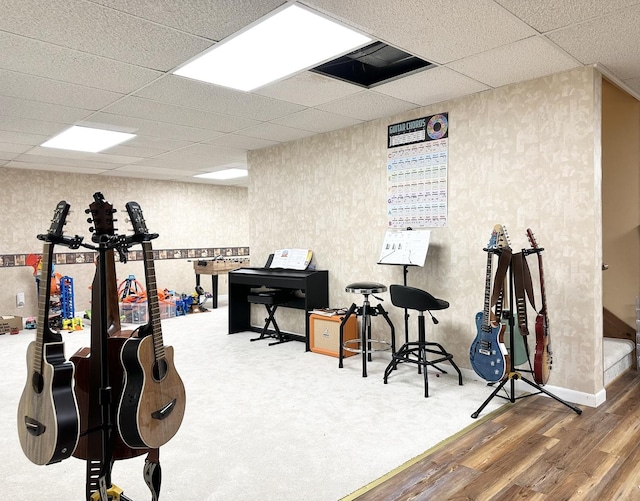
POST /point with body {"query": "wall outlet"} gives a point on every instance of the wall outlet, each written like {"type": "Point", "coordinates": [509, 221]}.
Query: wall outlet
{"type": "Point", "coordinates": [20, 299]}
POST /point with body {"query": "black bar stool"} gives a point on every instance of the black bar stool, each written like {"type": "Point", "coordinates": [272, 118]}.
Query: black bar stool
{"type": "Point", "coordinates": [271, 299]}
{"type": "Point", "coordinates": [416, 352]}
{"type": "Point", "coordinates": [365, 344]}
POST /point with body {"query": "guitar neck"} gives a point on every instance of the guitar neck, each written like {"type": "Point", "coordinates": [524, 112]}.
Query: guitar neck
{"type": "Point", "coordinates": [152, 301]}
{"type": "Point", "coordinates": [486, 312]}
{"type": "Point", "coordinates": [44, 302]}
{"type": "Point", "coordinates": [543, 294]}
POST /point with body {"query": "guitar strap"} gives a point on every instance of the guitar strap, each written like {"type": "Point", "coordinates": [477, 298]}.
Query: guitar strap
{"type": "Point", "coordinates": [501, 273]}
{"type": "Point", "coordinates": [523, 288]}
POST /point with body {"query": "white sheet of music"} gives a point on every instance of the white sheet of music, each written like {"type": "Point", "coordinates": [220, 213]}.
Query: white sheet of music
{"type": "Point", "coordinates": [405, 247]}
{"type": "Point", "coordinates": [291, 259]}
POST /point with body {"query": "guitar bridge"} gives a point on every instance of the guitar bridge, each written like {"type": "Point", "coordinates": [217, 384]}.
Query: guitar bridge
{"type": "Point", "coordinates": [163, 412]}
{"type": "Point", "coordinates": [35, 428]}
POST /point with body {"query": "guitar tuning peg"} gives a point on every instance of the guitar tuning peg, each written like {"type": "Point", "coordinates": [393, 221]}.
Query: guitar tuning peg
{"type": "Point", "coordinates": [92, 229]}
{"type": "Point", "coordinates": [86, 211]}
{"type": "Point", "coordinates": [89, 220]}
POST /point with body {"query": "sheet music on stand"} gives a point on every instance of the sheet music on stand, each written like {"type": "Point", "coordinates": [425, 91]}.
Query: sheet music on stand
{"type": "Point", "coordinates": [291, 259]}
{"type": "Point", "coordinates": [405, 247]}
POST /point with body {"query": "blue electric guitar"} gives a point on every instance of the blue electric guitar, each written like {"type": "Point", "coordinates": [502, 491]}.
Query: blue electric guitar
{"type": "Point", "coordinates": [488, 354]}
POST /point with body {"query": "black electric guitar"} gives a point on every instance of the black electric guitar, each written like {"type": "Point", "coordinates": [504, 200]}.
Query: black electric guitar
{"type": "Point", "coordinates": [542, 359]}
{"type": "Point", "coordinates": [48, 421]}
{"type": "Point", "coordinates": [153, 400]}
{"type": "Point", "coordinates": [488, 353]}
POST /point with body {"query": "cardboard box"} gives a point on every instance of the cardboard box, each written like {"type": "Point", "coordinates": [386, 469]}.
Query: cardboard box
{"type": "Point", "coordinates": [219, 266]}
{"type": "Point", "coordinates": [324, 334]}
{"type": "Point", "coordinates": [8, 322]}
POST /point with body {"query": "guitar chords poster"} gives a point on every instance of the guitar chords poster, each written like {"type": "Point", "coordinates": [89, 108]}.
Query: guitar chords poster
{"type": "Point", "coordinates": [417, 163]}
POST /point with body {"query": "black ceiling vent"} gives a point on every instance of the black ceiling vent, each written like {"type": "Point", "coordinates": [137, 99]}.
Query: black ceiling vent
{"type": "Point", "coordinates": [372, 65]}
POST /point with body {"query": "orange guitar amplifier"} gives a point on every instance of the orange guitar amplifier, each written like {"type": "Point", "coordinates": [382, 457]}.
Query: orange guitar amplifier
{"type": "Point", "coordinates": [325, 334]}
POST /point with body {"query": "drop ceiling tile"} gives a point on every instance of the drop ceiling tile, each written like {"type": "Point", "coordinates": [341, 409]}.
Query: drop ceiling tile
{"type": "Point", "coordinates": [92, 28]}
{"type": "Point", "coordinates": [44, 90]}
{"type": "Point", "coordinates": [367, 105]}
{"type": "Point", "coordinates": [81, 156]}
{"type": "Point", "coordinates": [197, 164]}
{"type": "Point", "coordinates": [207, 150]}
{"type": "Point", "coordinates": [547, 15]}
{"type": "Point", "coordinates": [612, 40]}
{"type": "Point", "coordinates": [162, 112]}
{"type": "Point", "coordinates": [128, 150]}
{"type": "Point", "coordinates": [22, 138]}
{"type": "Point", "coordinates": [66, 161]}
{"type": "Point", "coordinates": [15, 107]}
{"type": "Point", "coordinates": [241, 142]}
{"type": "Point", "coordinates": [316, 120]}
{"type": "Point", "coordinates": [48, 167]}
{"type": "Point", "coordinates": [146, 172]}
{"type": "Point", "coordinates": [308, 89]}
{"type": "Point", "coordinates": [504, 65]}
{"type": "Point", "coordinates": [46, 60]}
{"type": "Point", "coordinates": [275, 132]}
{"type": "Point", "coordinates": [214, 20]}
{"type": "Point", "coordinates": [17, 124]}
{"type": "Point", "coordinates": [186, 92]}
{"type": "Point", "coordinates": [14, 149]}
{"type": "Point", "coordinates": [439, 33]}
{"type": "Point", "coordinates": [431, 86]}
{"type": "Point", "coordinates": [156, 143]}
{"type": "Point", "coordinates": [152, 128]}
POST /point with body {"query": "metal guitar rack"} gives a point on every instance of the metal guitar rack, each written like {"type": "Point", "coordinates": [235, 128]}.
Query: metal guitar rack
{"type": "Point", "coordinates": [513, 375]}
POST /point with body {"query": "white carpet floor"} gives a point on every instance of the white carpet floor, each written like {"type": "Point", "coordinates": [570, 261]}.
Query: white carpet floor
{"type": "Point", "coordinates": [262, 423]}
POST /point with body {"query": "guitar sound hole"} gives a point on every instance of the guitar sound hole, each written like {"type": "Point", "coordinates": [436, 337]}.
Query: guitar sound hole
{"type": "Point", "coordinates": [37, 382]}
{"type": "Point", "coordinates": [160, 369]}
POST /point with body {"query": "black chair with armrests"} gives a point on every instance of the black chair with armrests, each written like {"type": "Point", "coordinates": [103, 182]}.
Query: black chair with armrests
{"type": "Point", "coordinates": [416, 352]}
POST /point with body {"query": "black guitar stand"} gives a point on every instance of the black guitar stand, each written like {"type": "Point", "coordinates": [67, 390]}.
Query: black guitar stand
{"type": "Point", "coordinates": [513, 375]}
{"type": "Point", "coordinates": [98, 471]}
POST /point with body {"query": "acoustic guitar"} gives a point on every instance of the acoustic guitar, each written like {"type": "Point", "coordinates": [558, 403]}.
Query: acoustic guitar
{"type": "Point", "coordinates": [48, 422]}
{"type": "Point", "coordinates": [542, 359]}
{"type": "Point", "coordinates": [88, 361]}
{"type": "Point", "coordinates": [153, 399]}
{"type": "Point", "coordinates": [488, 354]}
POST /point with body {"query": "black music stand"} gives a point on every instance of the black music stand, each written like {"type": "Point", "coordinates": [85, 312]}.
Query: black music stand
{"type": "Point", "coordinates": [405, 248]}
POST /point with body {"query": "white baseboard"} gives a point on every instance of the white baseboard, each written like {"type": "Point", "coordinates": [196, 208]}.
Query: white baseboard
{"type": "Point", "coordinates": [566, 394]}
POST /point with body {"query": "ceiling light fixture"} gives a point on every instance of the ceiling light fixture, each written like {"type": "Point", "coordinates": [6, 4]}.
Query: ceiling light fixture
{"type": "Point", "coordinates": [87, 139]}
{"type": "Point", "coordinates": [224, 174]}
{"type": "Point", "coordinates": [292, 39]}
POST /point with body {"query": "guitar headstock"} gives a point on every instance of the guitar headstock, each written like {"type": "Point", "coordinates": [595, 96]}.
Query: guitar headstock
{"type": "Point", "coordinates": [59, 219]}
{"type": "Point", "coordinates": [101, 217]}
{"type": "Point", "coordinates": [137, 219]}
{"type": "Point", "coordinates": [532, 239]}
{"type": "Point", "coordinates": [54, 233]}
{"type": "Point", "coordinates": [498, 238]}
{"type": "Point", "coordinates": [141, 233]}
{"type": "Point", "coordinates": [503, 241]}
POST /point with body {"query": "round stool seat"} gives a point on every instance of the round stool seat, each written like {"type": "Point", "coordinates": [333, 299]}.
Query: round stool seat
{"type": "Point", "coordinates": [365, 288]}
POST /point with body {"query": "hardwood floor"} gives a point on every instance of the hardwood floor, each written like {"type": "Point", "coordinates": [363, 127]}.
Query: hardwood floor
{"type": "Point", "coordinates": [538, 449]}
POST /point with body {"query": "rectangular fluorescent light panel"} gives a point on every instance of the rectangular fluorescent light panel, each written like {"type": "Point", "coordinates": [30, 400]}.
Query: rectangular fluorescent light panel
{"type": "Point", "coordinates": [87, 139]}
{"type": "Point", "coordinates": [225, 174]}
{"type": "Point", "coordinates": [285, 43]}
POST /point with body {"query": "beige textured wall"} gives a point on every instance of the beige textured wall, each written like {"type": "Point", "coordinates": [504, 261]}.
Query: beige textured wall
{"type": "Point", "coordinates": [526, 155]}
{"type": "Point", "coordinates": [620, 201]}
{"type": "Point", "coordinates": [184, 215]}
